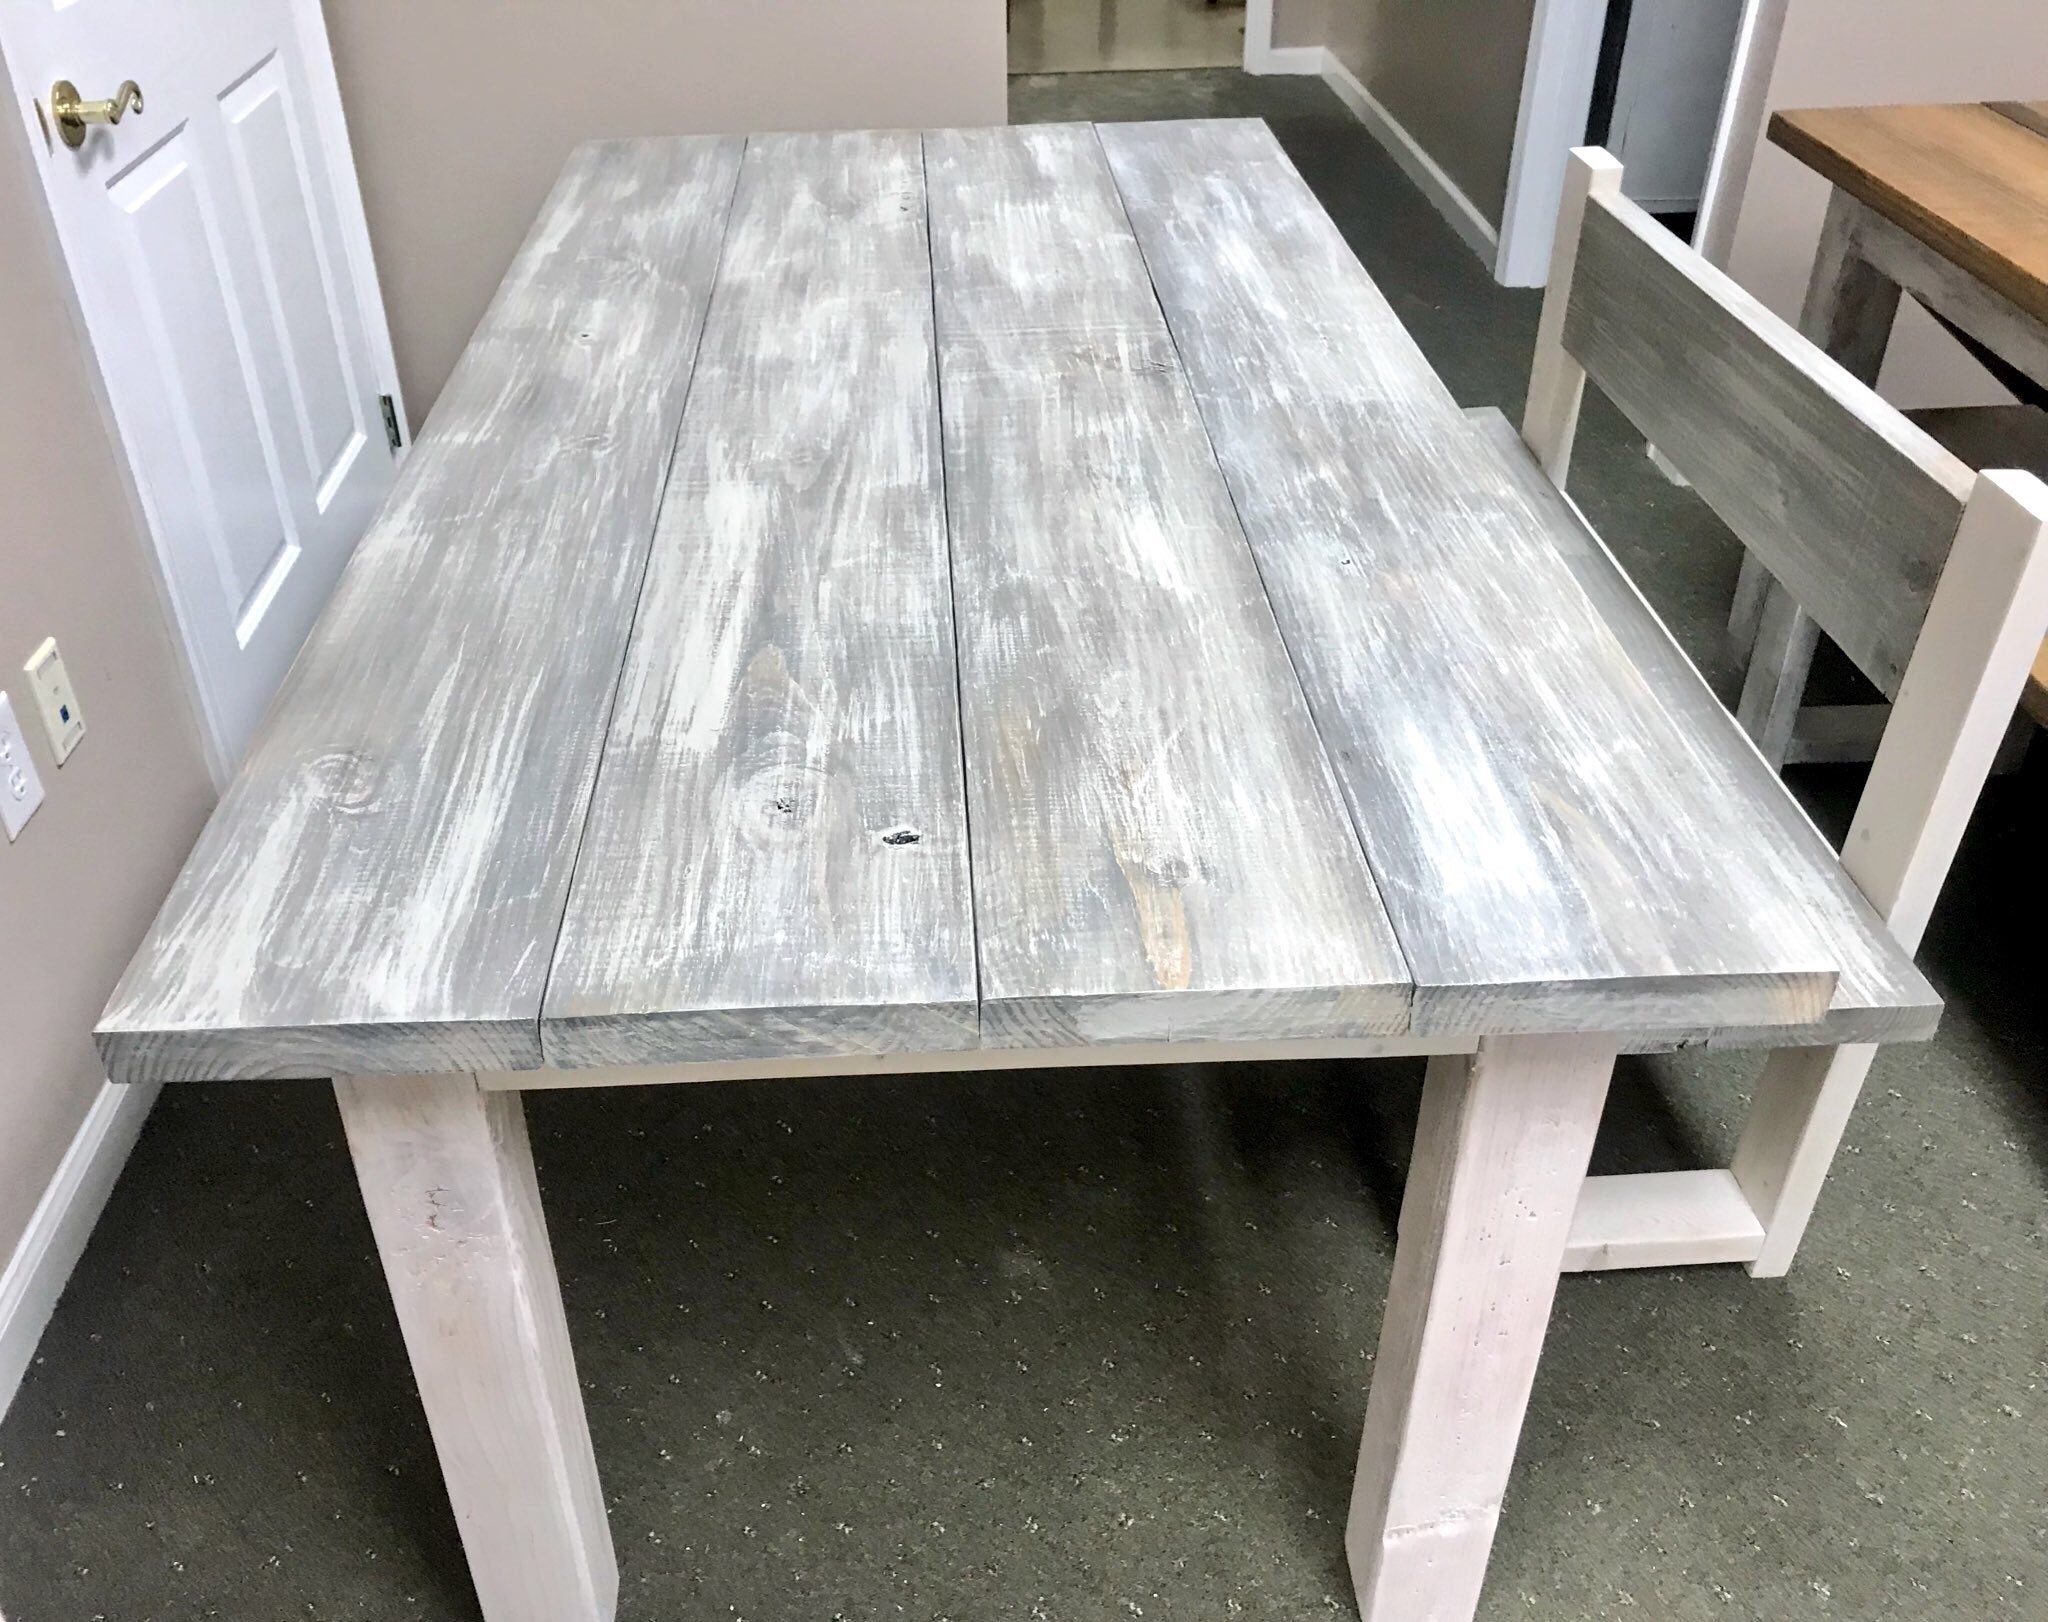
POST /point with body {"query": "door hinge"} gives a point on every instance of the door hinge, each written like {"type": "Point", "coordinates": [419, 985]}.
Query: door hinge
{"type": "Point", "coordinates": [391, 429]}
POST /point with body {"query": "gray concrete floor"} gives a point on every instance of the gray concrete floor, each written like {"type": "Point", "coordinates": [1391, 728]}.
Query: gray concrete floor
{"type": "Point", "coordinates": [1092, 1346]}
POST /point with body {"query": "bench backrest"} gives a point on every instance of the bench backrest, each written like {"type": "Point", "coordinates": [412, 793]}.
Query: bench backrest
{"type": "Point", "coordinates": [1934, 580]}
{"type": "Point", "coordinates": [1850, 506]}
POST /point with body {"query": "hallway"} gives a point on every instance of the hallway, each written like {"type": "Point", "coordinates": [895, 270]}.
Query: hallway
{"type": "Point", "coordinates": [1094, 36]}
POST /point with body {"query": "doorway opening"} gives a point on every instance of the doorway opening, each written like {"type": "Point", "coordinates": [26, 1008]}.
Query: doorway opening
{"type": "Point", "coordinates": [1106, 36]}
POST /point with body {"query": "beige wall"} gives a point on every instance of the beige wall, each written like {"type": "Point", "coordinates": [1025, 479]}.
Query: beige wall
{"type": "Point", "coordinates": [1301, 22]}
{"type": "Point", "coordinates": [1849, 52]}
{"type": "Point", "coordinates": [81, 884]}
{"type": "Point", "coordinates": [461, 114]}
{"type": "Point", "coordinates": [1450, 72]}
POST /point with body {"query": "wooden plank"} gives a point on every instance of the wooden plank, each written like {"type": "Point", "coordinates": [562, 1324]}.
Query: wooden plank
{"type": "Point", "coordinates": [2032, 115]}
{"type": "Point", "coordinates": [1662, 1219]}
{"type": "Point", "coordinates": [379, 888]}
{"type": "Point", "coordinates": [1969, 182]}
{"type": "Point", "coordinates": [1803, 462]}
{"type": "Point", "coordinates": [776, 856]}
{"type": "Point", "coordinates": [1555, 851]}
{"type": "Point", "coordinates": [1159, 850]}
{"type": "Point", "coordinates": [1880, 995]}
{"type": "Point", "coordinates": [447, 1177]}
{"type": "Point", "coordinates": [1500, 1157]}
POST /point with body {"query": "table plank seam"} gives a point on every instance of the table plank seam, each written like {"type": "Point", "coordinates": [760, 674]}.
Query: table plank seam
{"type": "Point", "coordinates": [639, 596]}
{"type": "Point", "coordinates": [1258, 568]}
{"type": "Point", "coordinates": [924, 168]}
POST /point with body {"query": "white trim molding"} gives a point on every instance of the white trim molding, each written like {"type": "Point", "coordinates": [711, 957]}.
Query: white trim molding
{"type": "Point", "coordinates": [55, 1238]}
{"type": "Point", "coordinates": [1557, 100]}
{"type": "Point", "coordinates": [1467, 218]}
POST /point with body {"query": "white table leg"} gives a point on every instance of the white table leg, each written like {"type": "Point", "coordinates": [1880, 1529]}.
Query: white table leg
{"type": "Point", "coordinates": [447, 1176]}
{"type": "Point", "coordinates": [1500, 1155]}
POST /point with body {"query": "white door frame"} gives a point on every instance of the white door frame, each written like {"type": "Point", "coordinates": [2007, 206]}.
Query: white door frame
{"type": "Point", "coordinates": [1557, 99]}
{"type": "Point", "coordinates": [1261, 55]}
{"type": "Point", "coordinates": [339, 155]}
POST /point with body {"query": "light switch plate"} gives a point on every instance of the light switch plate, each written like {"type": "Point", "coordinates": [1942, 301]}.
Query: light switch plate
{"type": "Point", "coordinates": [21, 789]}
{"type": "Point", "coordinates": [52, 686]}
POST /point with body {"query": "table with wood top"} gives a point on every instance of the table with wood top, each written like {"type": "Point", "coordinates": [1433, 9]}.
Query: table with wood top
{"type": "Point", "coordinates": [1948, 204]}
{"type": "Point", "coordinates": [878, 603]}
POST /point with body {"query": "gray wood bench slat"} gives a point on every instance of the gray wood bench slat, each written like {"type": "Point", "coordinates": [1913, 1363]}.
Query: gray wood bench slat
{"type": "Point", "coordinates": [1805, 480]}
{"type": "Point", "coordinates": [1880, 996]}
{"type": "Point", "coordinates": [776, 857]}
{"type": "Point", "coordinates": [379, 889]}
{"type": "Point", "coordinates": [1555, 851]}
{"type": "Point", "coordinates": [1159, 849]}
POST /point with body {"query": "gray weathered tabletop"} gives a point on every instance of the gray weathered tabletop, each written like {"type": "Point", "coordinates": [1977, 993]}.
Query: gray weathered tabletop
{"type": "Point", "coordinates": [883, 593]}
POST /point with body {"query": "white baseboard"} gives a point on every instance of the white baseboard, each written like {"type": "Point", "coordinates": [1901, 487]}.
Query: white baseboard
{"type": "Point", "coordinates": [1305, 59]}
{"type": "Point", "coordinates": [1474, 229]}
{"type": "Point", "coordinates": [63, 1220]}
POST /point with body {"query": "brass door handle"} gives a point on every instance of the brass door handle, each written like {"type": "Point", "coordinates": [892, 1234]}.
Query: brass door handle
{"type": "Point", "coordinates": [72, 113]}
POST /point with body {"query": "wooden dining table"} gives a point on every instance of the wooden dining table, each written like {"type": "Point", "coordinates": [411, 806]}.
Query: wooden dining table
{"type": "Point", "coordinates": [1947, 205]}
{"type": "Point", "coordinates": [977, 600]}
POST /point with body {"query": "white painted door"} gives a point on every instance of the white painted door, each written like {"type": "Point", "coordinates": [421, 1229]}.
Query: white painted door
{"type": "Point", "coordinates": [217, 243]}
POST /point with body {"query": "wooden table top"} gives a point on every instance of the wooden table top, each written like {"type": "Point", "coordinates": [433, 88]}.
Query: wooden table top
{"type": "Point", "coordinates": [1071, 612]}
{"type": "Point", "coordinates": [1971, 181]}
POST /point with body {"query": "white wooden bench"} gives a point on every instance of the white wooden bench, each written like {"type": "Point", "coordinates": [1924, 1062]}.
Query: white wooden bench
{"type": "Point", "coordinates": [1932, 577]}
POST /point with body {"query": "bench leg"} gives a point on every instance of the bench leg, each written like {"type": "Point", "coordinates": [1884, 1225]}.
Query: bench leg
{"type": "Point", "coordinates": [1775, 685]}
{"type": "Point", "coordinates": [1500, 1153]}
{"type": "Point", "coordinates": [1796, 1120]}
{"type": "Point", "coordinates": [447, 1176]}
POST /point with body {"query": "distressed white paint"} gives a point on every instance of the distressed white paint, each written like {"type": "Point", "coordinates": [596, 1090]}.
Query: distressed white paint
{"type": "Point", "coordinates": [1557, 382]}
{"type": "Point", "coordinates": [379, 889]}
{"type": "Point", "coordinates": [447, 1178]}
{"type": "Point", "coordinates": [1159, 849]}
{"type": "Point", "coordinates": [1500, 1153]}
{"type": "Point", "coordinates": [1533, 813]}
{"type": "Point", "coordinates": [1662, 1219]}
{"type": "Point", "coordinates": [776, 853]}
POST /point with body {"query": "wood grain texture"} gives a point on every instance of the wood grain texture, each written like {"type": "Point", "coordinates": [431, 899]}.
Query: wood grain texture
{"type": "Point", "coordinates": [776, 858]}
{"type": "Point", "coordinates": [379, 889]}
{"type": "Point", "coordinates": [1802, 461]}
{"type": "Point", "coordinates": [1159, 849]}
{"type": "Point", "coordinates": [1967, 180]}
{"type": "Point", "coordinates": [447, 1178]}
{"type": "Point", "coordinates": [1880, 995]}
{"type": "Point", "coordinates": [1556, 851]}
{"type": "Point", "coordinates": [1500, 1157]}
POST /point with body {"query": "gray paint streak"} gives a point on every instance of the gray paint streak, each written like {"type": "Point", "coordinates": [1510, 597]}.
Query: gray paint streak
{"type": "Point", "coordinates": [380, 888]}
{"type": "Point", "coordinates": [1555, 853]}
{"type": "Point", "coordinates": [1154, 821]}
{"type": "Point", "coordinates": [776, 859]}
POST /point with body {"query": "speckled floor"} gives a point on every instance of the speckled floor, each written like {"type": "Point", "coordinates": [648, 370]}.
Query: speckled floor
{"type": "Point", "coordinates": [1096, 1346]}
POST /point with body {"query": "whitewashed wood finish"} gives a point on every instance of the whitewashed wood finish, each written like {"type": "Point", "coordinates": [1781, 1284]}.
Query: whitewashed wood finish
{"type": "Point", "coordinates": [1983, 629]}
{"type": "Point", "coordinates": [1557, 382]}
{"type": "Point", "coordinates": [776, 856]}
{"type": "Point", "coordinates": [1662, 1219]}
{"type": "Point", "coordinates": [1801, 460]}
{"type": "Point", "coordinates": [379, 889]}
{"type": "Point", "coordinates": [1500, 1154]}
{"type": "Point", "coordinates": [1880, 995]}
{"type": "Point", "coordinates": [1535, 818]}
{"type": "Point", "coordinates": [1159, 850]}
{"type": "Point", "coordinates": [447, 1177]}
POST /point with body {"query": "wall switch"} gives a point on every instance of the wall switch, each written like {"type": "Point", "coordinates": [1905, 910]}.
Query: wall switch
{"type": "Point", "coordinates": [21, 790]}
{"type": "Point", "coordinates": [61, 717]}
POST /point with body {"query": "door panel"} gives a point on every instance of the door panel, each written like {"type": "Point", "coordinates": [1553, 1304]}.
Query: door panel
{"type": "Point", "coordinates": [209, 238]}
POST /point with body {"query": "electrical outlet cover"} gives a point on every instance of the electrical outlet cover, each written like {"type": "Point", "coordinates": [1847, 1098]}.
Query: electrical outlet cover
{"type": "Point", "coordinates": [52, 686]}
{"type": "Point", "coordinates": [21, 788]}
